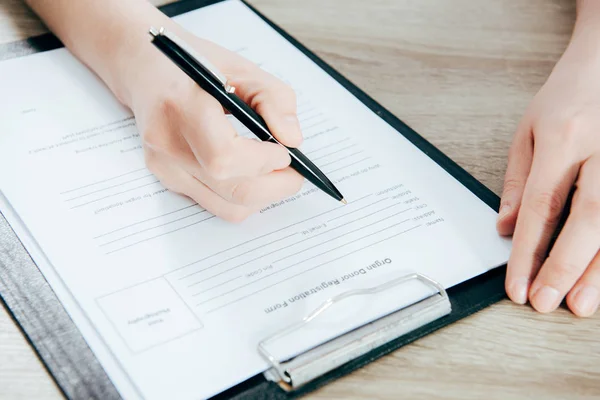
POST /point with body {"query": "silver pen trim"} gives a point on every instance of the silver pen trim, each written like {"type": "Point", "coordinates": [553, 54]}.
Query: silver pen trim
{"type": "Point", "coordinates": [201, 60]}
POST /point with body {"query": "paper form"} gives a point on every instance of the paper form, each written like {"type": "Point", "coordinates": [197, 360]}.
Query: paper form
{"type": "Point", "coordinates": [173, 300]}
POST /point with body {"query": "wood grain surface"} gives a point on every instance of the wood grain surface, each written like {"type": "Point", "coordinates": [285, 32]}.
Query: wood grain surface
{"type": "Point", "coordinates": [461, 73]}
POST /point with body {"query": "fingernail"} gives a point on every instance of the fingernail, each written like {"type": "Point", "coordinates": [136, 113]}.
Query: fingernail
{"type": "Point", "coordinates": [518, 290]}
{"type": "Point", "coordinates": [504, 211]}
{"type": "Point", "coordinates": [587, 300]}
{"type": "Point", "coordinates": [546, 299]}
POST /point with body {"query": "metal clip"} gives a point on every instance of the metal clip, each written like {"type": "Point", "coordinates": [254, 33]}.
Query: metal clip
{"type": "Point", "coordinates": [293, 373]}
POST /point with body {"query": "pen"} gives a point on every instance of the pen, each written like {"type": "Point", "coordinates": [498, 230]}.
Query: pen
{"type": "Point", "coordinates": [214, 83]}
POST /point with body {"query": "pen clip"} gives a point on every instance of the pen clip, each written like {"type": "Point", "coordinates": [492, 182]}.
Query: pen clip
{"type": "Point", "coordinates": [202, 61]}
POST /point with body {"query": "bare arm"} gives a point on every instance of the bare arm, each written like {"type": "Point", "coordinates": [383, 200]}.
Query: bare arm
{"type": "Point", "coordinates": [188, 142]}
{"type": "Point", "coordinates": [557, 148]}
{"type": "Point", "coordinates": [108, 35]}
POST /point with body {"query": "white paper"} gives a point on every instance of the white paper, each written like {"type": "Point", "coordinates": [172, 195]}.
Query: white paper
{"type": "Point", "coordinates": [174, 301]}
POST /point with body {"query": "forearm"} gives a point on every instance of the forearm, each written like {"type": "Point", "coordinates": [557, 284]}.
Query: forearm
{"type": "Point", "coordinates": [588, 18]}
{"type": "Point", "coordinates": [584, 48]}
{"type": "Point", "coordinates": [110, 36]}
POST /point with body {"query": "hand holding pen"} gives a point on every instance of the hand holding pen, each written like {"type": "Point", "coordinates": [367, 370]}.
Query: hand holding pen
{"type": "Point", "coordinates": [212, 81]}
{"type": "Point", "coordinates": [191, 146]}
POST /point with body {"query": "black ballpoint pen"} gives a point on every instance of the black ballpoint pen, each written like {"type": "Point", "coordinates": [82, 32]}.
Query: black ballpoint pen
{"type": "Point", "coordinates": [214, 83]}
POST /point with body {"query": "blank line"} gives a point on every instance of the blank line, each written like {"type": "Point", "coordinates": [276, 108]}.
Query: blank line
{"type": "Point", "coordinates": [105, 180]}
{"type": "Point", "coordinates": [115, 194]}
{"type": "Point", "coordinates": [341, 159]}
{"type": "Point", "coordinates": [216, 286]}
{"type": "Point", "coordinates": [303, 272]}
{"type": "Point", "coordinates": [360, 198]}
{"type": "Point", "coordinates": [305, 128]}
{"type": "Point", "coordinates": [349, 165]}
{"type": "Point", "coordinates": [304, 111]}
{"type": "Point", "coordinates": [251, 240]}
{"type": "Point", "coordinates": [231, 258]}
{"type": "Point", "coordinates": [109, 187]}
{"type": "Point", "coordinates": [327, 146]}
{"type": "Point", "coordinates": [294, 244]}
{"type": "Point", "coordinates": [146, 220]}
{"type": "Point", "coordinates": [311, 117]}
{"type": "Point", "coordinates": [154, 227]}
{"type": "Point", "coordinates": [345, 234]}
{"type": "Point", "coordinates": [362, 208]}
{"type": "Point", "coordinates": [260, 237]}
{"type": "Point", "coordinates": [162, 234]}
{"type": "Point", "coordinates": [335, 152]}
{"type": "Point", "coordinates": [308, 270]}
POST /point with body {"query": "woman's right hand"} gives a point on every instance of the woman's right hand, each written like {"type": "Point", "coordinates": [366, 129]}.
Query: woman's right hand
{"type": "Point", "coordinates": [191, 146]}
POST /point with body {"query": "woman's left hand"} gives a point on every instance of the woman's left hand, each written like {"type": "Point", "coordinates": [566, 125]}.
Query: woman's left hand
{"type": "Point", "coordinates": [557, 148]}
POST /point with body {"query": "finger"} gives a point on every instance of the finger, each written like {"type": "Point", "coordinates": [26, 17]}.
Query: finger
{"type": "Point", "coordinates": [258, 191]}
{"type": "Point", "coordinates": [519, 166]}
{"type": "Point", "coordinates": [208, 138]}
{"type": "Point", "coordinates": [212, 202]}
{"type": "Point", "coordinates": [250, 158]}
{"type": "Point", "coordinates": [179, 181]}
{"type": "Point", "coordinates": [274, 101]}
{"type": "Point", "coordinates": [584, 299]}
{"type": "Point", "coordinates": [576, 245]}
{"type": "Point", "coordinates": [545, 194]}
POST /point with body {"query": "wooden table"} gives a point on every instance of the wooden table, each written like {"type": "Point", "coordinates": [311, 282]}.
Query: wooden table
{"type": "Point", "coordinates": [461, 73]}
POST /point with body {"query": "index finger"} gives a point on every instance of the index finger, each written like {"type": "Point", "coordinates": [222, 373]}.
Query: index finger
{"type": "Point", "coordinates": [274, 100]}
{"type": "Point", "coordinates": [544, 198]}
{"type": "Point", "coordinates": [219, 149]}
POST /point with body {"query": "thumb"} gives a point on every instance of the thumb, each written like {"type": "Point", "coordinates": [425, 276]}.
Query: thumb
{"type": "Point", "coordinates": [274, 101]}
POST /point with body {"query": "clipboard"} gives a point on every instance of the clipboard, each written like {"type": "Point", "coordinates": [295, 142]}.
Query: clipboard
{"type": "Point", "coordinates": [65, 354]}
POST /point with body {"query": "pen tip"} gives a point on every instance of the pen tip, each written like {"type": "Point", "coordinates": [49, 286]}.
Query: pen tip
{"type": "Point", "coordinates": [344, 202]}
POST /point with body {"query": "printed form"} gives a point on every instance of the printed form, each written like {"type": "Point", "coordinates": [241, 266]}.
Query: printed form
{"type": "Point", "coordinates": [172, 300]}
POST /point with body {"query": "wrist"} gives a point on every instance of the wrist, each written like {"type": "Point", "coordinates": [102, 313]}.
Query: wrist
{"type": "Point", "coordinates": [132, 55]}
{"type": "Point", "coordinates": [584, 48]}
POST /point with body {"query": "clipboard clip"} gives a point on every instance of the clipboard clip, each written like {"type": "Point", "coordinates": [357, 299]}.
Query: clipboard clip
{"type": "Point", "coordinates": [295, 372]}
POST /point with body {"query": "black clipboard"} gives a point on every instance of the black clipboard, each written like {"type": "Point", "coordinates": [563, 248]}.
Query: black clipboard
{"type": "Point", "coordinates": [67, 357]}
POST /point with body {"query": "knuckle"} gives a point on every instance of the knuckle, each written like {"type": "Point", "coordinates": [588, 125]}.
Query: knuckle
{"type": "Point", "coordinates": [548, 206]}
{"type": "Point", "coordinates": [571, 129]}
{"type": "Point", "coordinates": [241, 193]}
{"type": "Point", "coordinates": [153, 139]}
{"type": "Point", "coordinates": [562, 270]}
{"type": "Point", "coordinates": [512, 185]}
{"type": "Point", "coordinates": [161, 142]}
{"type": "Point", "coordinates": [169, 106]}
{"type": "Point", "coordinates": [569, 133]}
